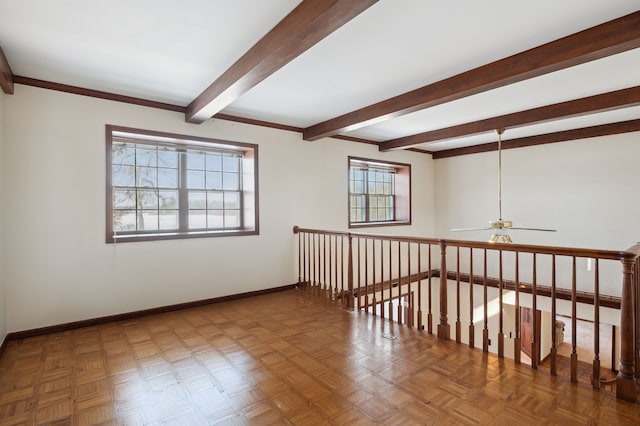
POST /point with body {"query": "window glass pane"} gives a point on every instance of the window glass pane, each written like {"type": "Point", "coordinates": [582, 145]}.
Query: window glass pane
{"type": "Point", "coordinates": [231, 181]}
{"type": "Point", "coordinates": [167, 158]}
{"type": "Point", "coordinates": [373, 202]}
{"type": "Point", "coordinates": [123, 154]}
{"type": "Point", "coordinates": [146, 156]}
{"type": "Point", "coordinates": [148, 220]}
{"type": "Point", "coordinates": [231, 200]}
{"type": "Point", "coordinates": [197, 200]}
{"type": "Point", "coordinates": [124, 220]}
{"type": "Point", "coordinates": [197, 219]}
{"type": "Point", "coordinates": [371, 187]}
{"type": "Point", "coordinates": [124, 176]}
{"type": "Point", "coordinates": [124, 199]}
{"type": "Point", "coordinates": [231, 218]}
{"type": "Point", "coordinates": [373, 214]}
{"type": "Point", "coordinates": [359, 187]}
{"type": "Point", "coordinates": [168, 219]}
{"type": "Point", "coordinates": [214, 162]}
{"type": "Point", "coordinates": [214, 180]}
{"type": "Point", "coordinates": [230, 164]}
{"type": "Point", "coordinates": [214, 200]}
{"type": "Point", "coordinates": [168, 199]}
{"type": "Point", "coordinates": [215, 219]}
{"type": "Point", "coordinates": [167, 178]}
{"type": "Point", "coordinates": [147, 199]}
{"type": "Point", "coordinates": [195, 179]}
{"type": "Point", "coordinates": [146, 177]}
{"type": "Point", "coordinates": [195, 160]}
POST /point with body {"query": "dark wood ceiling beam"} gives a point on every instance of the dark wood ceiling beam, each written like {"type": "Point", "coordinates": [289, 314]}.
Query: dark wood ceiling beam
{"type": "Point", "coordinates": [6, 76]}
{"type": "Point", "coordinates": [563, 136]}
{"type": "Point", "coordinates": [598, 103]}
{"type": "Point", "coordinates": [310, 22]}
{"type": "Point", "coordinates": [607, 39]}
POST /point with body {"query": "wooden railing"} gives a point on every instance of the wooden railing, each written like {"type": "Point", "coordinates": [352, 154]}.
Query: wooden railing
{"type": "Point", "coordinates": [406, 279]}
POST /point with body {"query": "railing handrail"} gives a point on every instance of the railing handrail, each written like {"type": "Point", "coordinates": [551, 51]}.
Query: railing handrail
{"type": "Point", "coordinates": [631, 253]}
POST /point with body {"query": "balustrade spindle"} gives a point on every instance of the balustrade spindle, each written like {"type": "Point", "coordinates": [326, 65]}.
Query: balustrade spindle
{"type": "Point", "coordinates": [350, 274]}
{"type": "Point", "coordinates": [341, 257]}
{"type": "Point", "coordinates": [485, 329]}
{"type": "Point", "coordinates": [500, 313]}
{"type": "Point", "coordinates": [420, 325]}
{"type": "Point", "coordinates": [430, 314]}
{"type": "Point", "coordinates": [308, 252]}
{"type": "Point", "coordinates": [390, 306]}
{"type": "Point", "coordinates": [409, 309]}
{"type": "Point", "coordinates": [366, 275]}
{"type": "Point", "coordinates": [373, 272]}
{"type": "Point", "coordinates": [554, 349]}
{"type": "Point", "coordinates": [331, 282]}
{"type": "Point", "coordinates": [400, 305]}
{"type": "Point", "coordinates": [335, 276]}
{"type": "Point", "coordinates": [574, 333]}
{"type": "Point", "coordinates": [382, 278]}
{"type": "Point", "coordinates": [324, 264]}
{"type": "Point", "coordinates": [534, 303]}
{"type": "Point", "coordinates": [314, 262]}
{"type": "Point", "coordinates": [517, 344]}
{"type": "Point", "coordinates": [299, 259]}
{"type": "Point", "coordinates": [472, 327]}
{"type": "Point", "coordinates": [595, 376]}
{"type": "Point", "coordinates": [458, 324]}
{"type": "Point", "coordinates": [366, 297]}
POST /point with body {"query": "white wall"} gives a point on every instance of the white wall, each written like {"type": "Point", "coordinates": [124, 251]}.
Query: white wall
{"type": "Point", "coordinates": [58, 267]}
{"type": "Point", "coordinates": [3, 302]}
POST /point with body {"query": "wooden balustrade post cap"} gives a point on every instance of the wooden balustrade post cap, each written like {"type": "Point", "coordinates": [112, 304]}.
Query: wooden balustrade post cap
{"type": "Point", "coordinates": [296, 229]}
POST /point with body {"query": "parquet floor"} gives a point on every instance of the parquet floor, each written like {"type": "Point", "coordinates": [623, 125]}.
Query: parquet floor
{"type": "Point", "coordinates": [283, 358]}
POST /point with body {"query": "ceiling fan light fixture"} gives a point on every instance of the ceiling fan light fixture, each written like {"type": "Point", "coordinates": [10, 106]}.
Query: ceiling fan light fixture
{"type": "Point", "coordinates": [500, 237]}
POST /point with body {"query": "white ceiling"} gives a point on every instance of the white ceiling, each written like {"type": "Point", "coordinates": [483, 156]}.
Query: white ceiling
{"type": "Point", "coordinates": [170, 51]}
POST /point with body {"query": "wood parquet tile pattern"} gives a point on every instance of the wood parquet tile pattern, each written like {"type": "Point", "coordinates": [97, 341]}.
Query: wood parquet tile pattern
{"type": "Point", "coordinates": [282, 358]}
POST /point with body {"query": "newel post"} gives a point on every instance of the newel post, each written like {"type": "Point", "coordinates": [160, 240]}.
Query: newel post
{"type": "Point", "coordinates": [625, 381]}
{"type": "Point", "coordinates": [350, 301]}
{"type": "Point", "coordinates": [443, 326]}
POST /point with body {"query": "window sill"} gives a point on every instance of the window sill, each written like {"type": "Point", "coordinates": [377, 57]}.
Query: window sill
{"type": "Point", "coordinates": [379, 224]}
{"type": "Point", "coordinates": [178, 236]}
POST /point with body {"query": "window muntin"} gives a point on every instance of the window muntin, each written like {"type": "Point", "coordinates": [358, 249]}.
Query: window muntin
{"type": "Point", "coordinates": [165, 186]}
{"type": "Point", "coordinates": [379, 192]}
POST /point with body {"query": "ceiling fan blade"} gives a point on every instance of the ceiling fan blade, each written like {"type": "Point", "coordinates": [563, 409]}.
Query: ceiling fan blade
{"type": "Point", "coordinates": [534, 229]}
{"type": "Point", "coordinates": [470, 229]}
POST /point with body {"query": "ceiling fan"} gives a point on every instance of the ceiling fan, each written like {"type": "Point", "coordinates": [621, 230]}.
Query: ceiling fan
{"type": "Point", "coordinates": [500, 226]}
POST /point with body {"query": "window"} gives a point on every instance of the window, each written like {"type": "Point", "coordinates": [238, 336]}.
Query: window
{"type": "Point", "coordinates": [379, 193]}
{"type": "Point", "coordinates": [162, 186]}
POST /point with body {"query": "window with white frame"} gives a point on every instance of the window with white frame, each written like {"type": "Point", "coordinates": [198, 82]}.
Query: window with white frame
{"type": "Point", "coordinates": [379, 193]}
{"type": "Point", "coordinates": [162, 186]}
